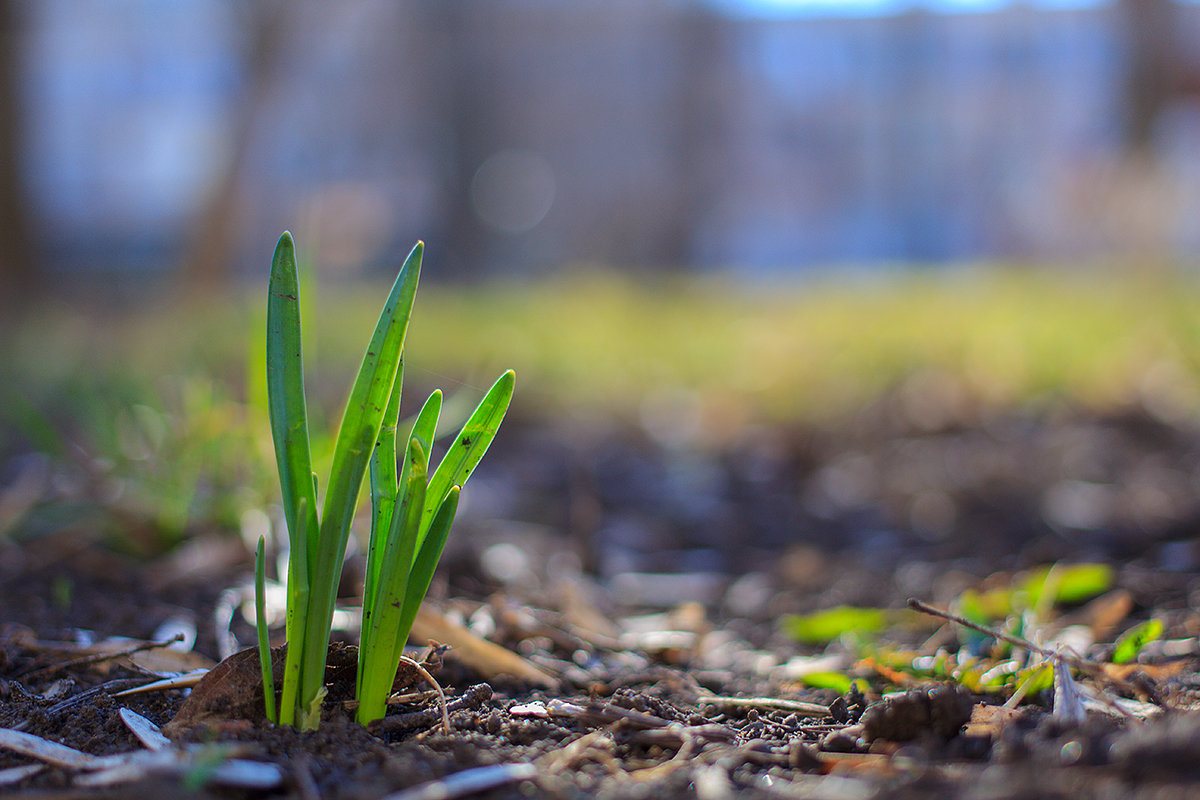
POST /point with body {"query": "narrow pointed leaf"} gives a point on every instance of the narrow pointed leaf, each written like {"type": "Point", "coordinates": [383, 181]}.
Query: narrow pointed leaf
{"type": "Point", "coordinates": [426, 562]}
{"type": "Point", "coordinates": [423, 432]}
{"type": "Point", "coordinates": [264, 639]}
{"type": "Point", "coordinates": [1130, 643]}
{"type": "Point", "coordinates": [424, 429]}
{"type": "Point", "coordinates": [468, 447]}
{"type": "Point", "coordinates": [351, 452]}
{"type": "Point", "coordinates": [378, 641]}
{"type": "Point", "coordinates": [297, 613]}
{"type": "Point", "coordinates": [285, 388]}
{"type": "Point", "coordinates": [383, 496]}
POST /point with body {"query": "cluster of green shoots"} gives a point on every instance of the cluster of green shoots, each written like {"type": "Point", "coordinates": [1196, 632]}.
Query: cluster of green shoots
{"type": "Point", "coordinates": [412, 508]}
{"type": "Point", "coordinates": [1024, 607]}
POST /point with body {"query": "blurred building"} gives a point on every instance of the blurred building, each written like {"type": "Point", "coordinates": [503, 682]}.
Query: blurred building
{"type": "Point", "coordinates": [524, 134]}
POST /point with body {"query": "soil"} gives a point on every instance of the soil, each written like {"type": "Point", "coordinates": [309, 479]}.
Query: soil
{"type": "Point", "coordinates": [648, 572]}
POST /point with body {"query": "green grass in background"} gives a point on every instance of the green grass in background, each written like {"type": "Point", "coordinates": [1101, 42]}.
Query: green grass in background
{"type": "Point", "coordinates": [160, 404]}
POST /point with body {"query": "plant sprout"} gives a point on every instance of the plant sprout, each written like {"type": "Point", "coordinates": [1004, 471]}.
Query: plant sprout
{"type": "Point", "coordinates": [412, 510]}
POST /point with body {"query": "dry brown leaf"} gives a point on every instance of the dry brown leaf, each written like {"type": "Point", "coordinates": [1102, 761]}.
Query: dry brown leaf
{"type": "Point", "coordinates": [1104, 614]}
{"type": "Point", "coordinates": [1156, 672]}
{"type": "Point", "coordinates": [990, 721]}
{"type": "Point", "coordinates": [887, 673]}
{"type": "Point", "coordinates": [485, 657]}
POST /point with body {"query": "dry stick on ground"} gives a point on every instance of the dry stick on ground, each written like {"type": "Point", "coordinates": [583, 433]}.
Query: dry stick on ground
{"type": "Point", "coordinates": [595, 713]}
{"type": "Point", "coordinates": [596, 747]}
{"type": "Point", "coordinates": [83, 697]}
{"type": "Point", "coordinates": [1093, 669]}
{"type": "Point", "coordinates": [768, 703]}
{"type": "Point", "coordinates": [424, 673]}
{"type": "Point", "coordinates": [473, 698]}
{"type": "Point", "coordinates": [98, 658]}
{"type": "Point", "coordinates": [185, 681]}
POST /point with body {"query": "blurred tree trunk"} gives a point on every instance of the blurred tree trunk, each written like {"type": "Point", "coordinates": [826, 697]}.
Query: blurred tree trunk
{"type": "Point", "coordinates": [1158, 74]}
{"type": "Point", "coordinates": [699, 134]}
{"type": "Point", "coordinates": [19, 271]}
{"type": "Point", "coordinates": [463, 78]}
{"type": "Point", "coordinates": [208, 260]}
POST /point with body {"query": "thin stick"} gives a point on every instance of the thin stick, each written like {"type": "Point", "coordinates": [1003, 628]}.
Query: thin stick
{"type": "Point", "coordinates": [97, 658]}
{"type": "Point", "coordinates": [772, 703]}
{"type": "Point", "coordinates": [424, 673]}
{"type": "Point", "coordinates": [925, 608]}
{"type": "Point", "coordinates": [1093, 669]}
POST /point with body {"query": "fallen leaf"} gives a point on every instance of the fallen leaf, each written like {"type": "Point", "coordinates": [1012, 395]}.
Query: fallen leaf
{"type": "Point", "coordinates": [485, 657]}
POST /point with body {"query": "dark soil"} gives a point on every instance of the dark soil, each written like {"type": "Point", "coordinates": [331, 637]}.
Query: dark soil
{"type": "Point", "coordinates": [649, 575]}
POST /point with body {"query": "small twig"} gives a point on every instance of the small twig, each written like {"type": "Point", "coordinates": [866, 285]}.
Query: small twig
{"type": "Point", "coordinates": [770, 703]}
{"type": "Point", "coordinates": [184, 681]}
{"type": "Point", "coordinates": [424, 673]}
{"type": "Point", "coordinates": [675, 734]}
{"type": "Point", "coordinates": [925, 608]}
{"type": "Point", "coordinates": [1092, 669]}
{"type": "Point", "coordinates": [687, 746]}
{"type": "Point", "coordinates": [595, 713]}
{"type": "Point", "coordinates": [78, 699]}
{"type": "Point", "coordinates": [473, 698]}
{"type": "Point", "coordinates": [596, 746]}
{"type": "Point", "coordinates": [97, 658]}
{"type": "Point", "coordinates": [606, 713]}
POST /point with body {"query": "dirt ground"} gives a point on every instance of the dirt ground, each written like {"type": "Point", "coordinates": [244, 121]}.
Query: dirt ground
{"type": "Point", "coordinates": [644, 576]}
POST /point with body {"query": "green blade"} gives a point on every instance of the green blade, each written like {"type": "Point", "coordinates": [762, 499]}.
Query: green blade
{"type": "Point", "coordinates": [425, 427]}
{"type": "Point", "coordinates": [383, 496]}
{"type": "Point", "coordinates": [376, 669]}
{"type": "Point", "coordinates": [423, 432]}
{"type": "Point", "coordinates": [353, 448]}
{"type": "Point", "coordinates": [468, 448]}
{"type": "Point", "coordinates": [264, 640]}
{"type": "Point", "coordinates": [297, 613]}
{"type": "Point", "coordinates": [425, 565]}
{"type": "Point", "coordinates": [285, 392]}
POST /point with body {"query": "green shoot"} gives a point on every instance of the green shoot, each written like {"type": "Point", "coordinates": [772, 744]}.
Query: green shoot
{"type": "Point", "coordinates": [405, 549]}
{"type": "Point", "coordinates": [264, 641]}
{"type": "Point", "coordinates": [1130, 643]}
{"type": "Point", "coordinates": [411, 512]}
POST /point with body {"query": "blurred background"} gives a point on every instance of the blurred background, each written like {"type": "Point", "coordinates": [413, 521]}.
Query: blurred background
{"type": "Point", "coordinates": [759, 136]}
{"type": "Point", "coordinates": [774, 274]}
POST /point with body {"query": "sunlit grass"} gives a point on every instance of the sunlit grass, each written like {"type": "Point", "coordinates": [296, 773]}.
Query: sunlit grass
{"type": "Point", "coordinates": [162, 396]}
{"type": "Point", "coordinates": [597, 342]}
{"type": "Point", "coordinates": [819, 351]}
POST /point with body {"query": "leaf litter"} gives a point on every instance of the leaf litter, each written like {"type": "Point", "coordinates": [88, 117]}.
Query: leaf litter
{"type": "Point", "coordinates": [713, 700]}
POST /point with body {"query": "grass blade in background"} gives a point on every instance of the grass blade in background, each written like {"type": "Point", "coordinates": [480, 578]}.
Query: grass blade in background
{"type": "Point", "coordinates": [1130, 643]}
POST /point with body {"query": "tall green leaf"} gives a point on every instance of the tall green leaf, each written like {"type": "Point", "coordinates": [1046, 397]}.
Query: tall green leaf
{"type": "Point", "coordinates": [383, 495]}
{"type": "Point", "coordinates": [351, 452]}
{"type": "Point", "coordinates": [468, 447]}
{"type": "Point", "coordinates": [264, 641]}
{"type": "Point", "coordinates": [379, 637]}
{"type": "Point", "coordinates": [423, 431]}
{"type": "Point", "coordinates": [285, 389]}
{"type": "Point", "coordinates": [428, 555]}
